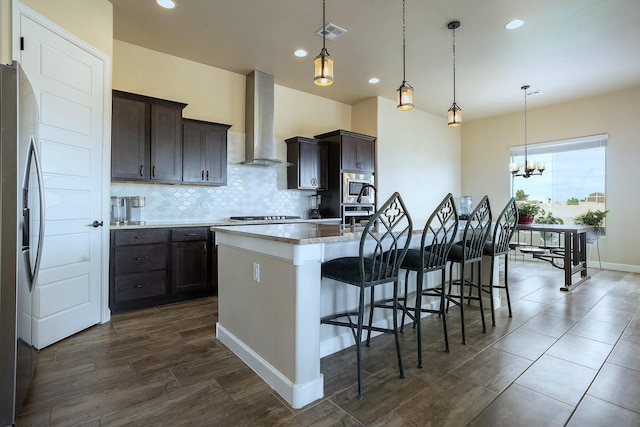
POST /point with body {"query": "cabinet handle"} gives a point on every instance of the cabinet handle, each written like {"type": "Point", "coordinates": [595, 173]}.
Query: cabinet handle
{"type": "Point", "coordinates": [138, 237]}
{"type": "Point", "coordinates": [153, 172]}
{"type": "Point", "coordinates": [203, 175]}
{"type": "Point", "coordinates": [190, 234]}
{"type": "Point", "coordinates": [142, 285]}
{"type": "Point", "coordinates": [207, 175]}
{"type": "Point", "coordinates": [204, 248]}
{"type": "Point", "coordinates": [141, 258]}
{"type": "Point", "coordinates": [141, 170]}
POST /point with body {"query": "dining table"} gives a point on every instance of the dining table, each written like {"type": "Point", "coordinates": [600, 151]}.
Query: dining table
{"type": "Point", "coordinates": [571, 253]}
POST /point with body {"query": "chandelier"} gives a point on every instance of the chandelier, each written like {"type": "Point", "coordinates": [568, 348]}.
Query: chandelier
{"type": "Point", "coordinates": [529, 168]}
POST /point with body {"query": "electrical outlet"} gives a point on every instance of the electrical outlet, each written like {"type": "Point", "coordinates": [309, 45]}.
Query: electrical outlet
{"type": "Point", "coordinates": [205, 205]}
{"type": "Point", "coordinates": [256, 272]}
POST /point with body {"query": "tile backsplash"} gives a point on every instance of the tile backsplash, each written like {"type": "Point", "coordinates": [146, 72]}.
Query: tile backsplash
{"type": "Point", "coordinates": [250, 190]}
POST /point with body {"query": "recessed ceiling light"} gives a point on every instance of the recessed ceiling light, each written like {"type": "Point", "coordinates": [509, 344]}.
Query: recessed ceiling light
{"type": "Point", "coordinates": [167, 4]}
{"type": "Point", "coordinates": [512, 25]}
{"type": "Point", "coordinates": [300, 53]}
{"type": "Point", "coordinates": [374, 80]}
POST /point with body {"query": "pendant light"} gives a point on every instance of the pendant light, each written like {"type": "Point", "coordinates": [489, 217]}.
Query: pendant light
{"type": "Point", "coordinates": [323, 62]}
{"type": "Point", "coordinates": [405, 91]}
{"type": "Point", "coordinates": [455, 113]}
{"type": "Point", "coordinates": [530, 168]}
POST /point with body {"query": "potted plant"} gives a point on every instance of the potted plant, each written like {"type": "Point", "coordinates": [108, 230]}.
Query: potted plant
{"type": "Point", "coordinates": [549, 237]}
{"type": "Point", "coordinates": [594, 218]}
{"type": "Point", "coordinates": [520, 195]}
{"type": "Point", "coordinates": [527, 211]}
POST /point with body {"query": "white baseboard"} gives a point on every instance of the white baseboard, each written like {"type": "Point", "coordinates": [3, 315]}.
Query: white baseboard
{"type": "Point", "coordinates": [297, 395]}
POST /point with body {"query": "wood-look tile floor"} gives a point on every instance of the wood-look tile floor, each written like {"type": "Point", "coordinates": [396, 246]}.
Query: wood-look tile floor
{"type": "Point", "coordinates": [564, 358]}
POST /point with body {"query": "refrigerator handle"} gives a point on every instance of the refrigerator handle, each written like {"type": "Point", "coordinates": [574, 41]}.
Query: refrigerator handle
{"type": "Point", "coordinates": [33, 154]}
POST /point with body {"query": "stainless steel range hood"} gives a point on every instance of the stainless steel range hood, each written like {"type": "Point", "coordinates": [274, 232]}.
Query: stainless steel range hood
{"type": "Point", "coordinates": [260, 149]}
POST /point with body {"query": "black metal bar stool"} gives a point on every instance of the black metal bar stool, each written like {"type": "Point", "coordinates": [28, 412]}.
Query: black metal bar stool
{"type": "Point", "coordinates": [469, 252]}
{"type": "Point", "coordinates": [383, 245]}
{"type": "Point", "coordinates": [437, 237]}
{"type": "Point", "coordinates": [503, 231]}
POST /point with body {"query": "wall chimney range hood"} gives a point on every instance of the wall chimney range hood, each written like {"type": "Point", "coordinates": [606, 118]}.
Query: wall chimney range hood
{"type": "Point", "coordinates": [260, 149]}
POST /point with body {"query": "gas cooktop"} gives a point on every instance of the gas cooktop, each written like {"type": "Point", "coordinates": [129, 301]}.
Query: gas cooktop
{"type": "Point", "coordinates": [263, 217]}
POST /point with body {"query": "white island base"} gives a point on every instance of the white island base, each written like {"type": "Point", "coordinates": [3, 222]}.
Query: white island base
{"type": "Point", "coordinates": [271, 297]}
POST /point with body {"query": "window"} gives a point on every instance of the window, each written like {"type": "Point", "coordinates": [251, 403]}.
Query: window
{"type": "Point", "coordinates": [573, 180]}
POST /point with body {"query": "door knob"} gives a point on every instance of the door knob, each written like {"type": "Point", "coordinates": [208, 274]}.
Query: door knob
{"type": "Point", "coordinates": [97, 224]}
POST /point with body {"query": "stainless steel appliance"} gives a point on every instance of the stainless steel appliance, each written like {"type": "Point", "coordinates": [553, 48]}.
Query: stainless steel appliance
{"type": "Point", "coordinates": [269, 218]}
{"type": "Point", "coordinates": [352, 184]}
{"type": "Point", "coordinates": [21, 233]}
{"type": "Point", "coordinates": [126, 210]}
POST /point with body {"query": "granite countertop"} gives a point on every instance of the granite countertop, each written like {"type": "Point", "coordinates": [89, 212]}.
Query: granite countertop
{"type": "Point", "coordinates": [306, 232]}
{"type": "Point", "coordinates": [218, 223]}
{"type": "Point", "coordinates": [301, 233]}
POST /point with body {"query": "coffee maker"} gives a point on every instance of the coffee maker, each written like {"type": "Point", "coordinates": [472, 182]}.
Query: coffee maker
{"type": "Point", "coordinates": [126, 210]}
{"type": "Point", "coordinates": [314, 210]}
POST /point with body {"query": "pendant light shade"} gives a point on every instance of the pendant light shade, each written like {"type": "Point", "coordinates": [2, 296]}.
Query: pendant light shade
{"type": "Point", "coordinates": [455, 113]}
{"type": "Point", "coordinates": [405, 91]}
{"type": "Point", "coordinates": [405, 96]}
{"type": "Point", "coordinates": [323, 62]}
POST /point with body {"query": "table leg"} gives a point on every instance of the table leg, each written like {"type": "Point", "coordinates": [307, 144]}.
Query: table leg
{"type": "Point", "coordinates": [568, 265]}
{"type": "Point", "coordinates": [575, 259]}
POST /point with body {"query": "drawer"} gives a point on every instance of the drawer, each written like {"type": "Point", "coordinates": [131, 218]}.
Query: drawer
{"type": "Point", "coordinates": [136, 259]}
{"type": "Point", "coordinates": [140, 236]}
{"type": "Point", "coordinates": [140, 285]}
{"type": "Point", "coordinates": [188, 234]}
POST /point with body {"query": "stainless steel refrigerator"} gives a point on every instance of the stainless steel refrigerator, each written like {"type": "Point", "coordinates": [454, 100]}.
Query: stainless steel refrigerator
{"type": "Point", "coordinates": [21, 236]}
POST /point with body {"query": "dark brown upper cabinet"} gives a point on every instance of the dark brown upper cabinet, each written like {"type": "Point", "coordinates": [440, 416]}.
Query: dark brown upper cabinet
{"type": "Point", "coordinates": [146, 138]}
{"type": "Point", "coordinates": [204, 159]}
{"type": "Point", "coordinates": [309, 164]}
{"type": "Point", "coordinates": [353, 151]}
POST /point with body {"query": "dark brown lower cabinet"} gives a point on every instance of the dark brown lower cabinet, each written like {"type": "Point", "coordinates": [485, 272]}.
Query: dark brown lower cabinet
{"type": "Point", "coordinates": [159, 266]}
{"type": "Point", "coordinates": [189, 259]}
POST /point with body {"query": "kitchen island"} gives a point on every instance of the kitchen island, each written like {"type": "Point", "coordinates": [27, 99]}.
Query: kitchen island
{"type": "Point", "coordinates": [271, 297]}
{"type": "Point", "coordinates": [269, 300]}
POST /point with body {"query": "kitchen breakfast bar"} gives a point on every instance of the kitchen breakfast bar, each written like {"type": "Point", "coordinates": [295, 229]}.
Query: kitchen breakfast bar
{"type": "Point", "coordinates": [271, 297]}
{"type": "Point", "coordinates": [269, 300]}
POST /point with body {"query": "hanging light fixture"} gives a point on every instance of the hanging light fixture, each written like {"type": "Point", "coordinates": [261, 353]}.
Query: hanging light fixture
{"type": "Point", "coordinates": [530, 168]}
{"type": "Point", "coordinates": [323, 62]}
{"type": "Point", "coordinates": [405, 91]}
{"type": "Point", "coordinates": [455, 113]}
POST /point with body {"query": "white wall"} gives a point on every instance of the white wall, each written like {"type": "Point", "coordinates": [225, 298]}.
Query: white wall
{"type": "Point", "coordinates": [485, 159]}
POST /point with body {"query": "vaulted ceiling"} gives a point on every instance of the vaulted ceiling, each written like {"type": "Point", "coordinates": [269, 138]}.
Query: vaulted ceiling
{"type": "Point", "coordinates": [567, 49]}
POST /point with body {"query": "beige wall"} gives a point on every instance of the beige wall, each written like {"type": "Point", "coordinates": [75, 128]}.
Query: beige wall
{"type": "Point", "coordinates": [364, 117]}
{"type": "Point", "coordinates": [212, 94]}
{"type": "Point", "coordinates": [302, 114]}
{"type": "Point", "coordinates": [485, 158]}
{"type": "Point", "coordinates": [90, 20]}
{"type": "Point", "coordinates": [418, 155]}
{"type": "Point", "coordinates": [217, 95]}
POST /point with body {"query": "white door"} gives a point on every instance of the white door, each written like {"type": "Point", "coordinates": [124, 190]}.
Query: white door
{"type": "Point", "coordinates": [68, 82]}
